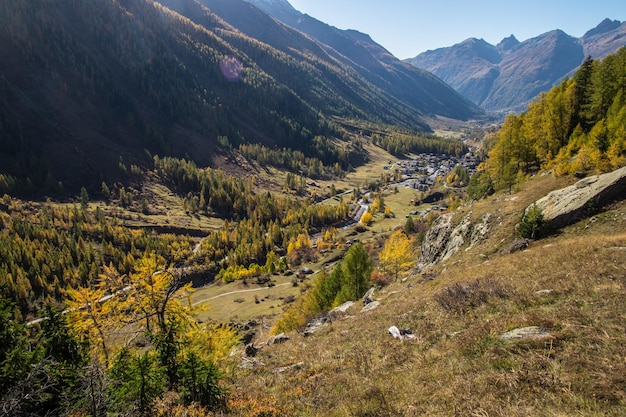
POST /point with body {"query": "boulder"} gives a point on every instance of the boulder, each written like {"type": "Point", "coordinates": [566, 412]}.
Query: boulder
{"type": "Point", "coordinates": [315, 324]}
{"type": "Point", "coordinates": [340, 310]}
{"type": "Point", "coordinates": [516, 246]}
{"type": "Point", "coordinates": [370, 306]}
{"type": "Point", "coordinates": [573, 203]}
{"type": "Point", "coordinates": [251, 350]}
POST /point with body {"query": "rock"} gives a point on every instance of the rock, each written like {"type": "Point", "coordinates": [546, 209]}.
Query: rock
{"type": "Point", "coordinates": [480, 230]}
{"type": "Point", "coordinates": [531, 332]}
{"type": "Point", "coordinates": [289, 367]}
{"type": "Point", "coordinates": [315, 324]}
{"type": "Point", "coordinates": [340, 310]}
{"type": "Point", "coordinates": [443, 240]}
{"type": "Point", "coordinates": [251, 350]}
{"type": "Point", "coordinates": [367, 298]}
{"type": "Point", "coordinates": [570, 204]}
{"type": "Point", "coordinates": [370, 306]}
{"type": "Point", "coordinates": [279, 338]}
{"type": "Point", "coordinates": [403, 334]}
{"type": "Point", "coordinates": [543, 292]}
{"type": "Point", "coordinates": [516, 246]}
{"type": "Point", "coordinates": [247, 363]}
{"type": "Point", "coordinates": [435, 241]}
{"type": "Point", "coordinates": [248, 337]}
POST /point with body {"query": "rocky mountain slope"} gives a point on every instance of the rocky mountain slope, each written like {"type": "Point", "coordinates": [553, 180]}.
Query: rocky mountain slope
{"type": "Point", "coordinates": [505, 77]}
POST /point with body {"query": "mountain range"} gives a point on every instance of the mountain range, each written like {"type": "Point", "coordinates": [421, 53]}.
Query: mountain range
{"type": "Point", "coordinates": [87, 86]}
{"type": "Point", "coordinates": [507, 76]}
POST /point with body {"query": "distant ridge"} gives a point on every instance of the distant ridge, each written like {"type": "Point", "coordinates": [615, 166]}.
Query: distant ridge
{"type": "Point", "coordinates": [508, 76]}
{"type": "Point", "coordinates": [370, 60]}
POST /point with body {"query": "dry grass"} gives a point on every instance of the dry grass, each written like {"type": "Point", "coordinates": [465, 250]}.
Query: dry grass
{"type": "Point", "coordinates": [572, 284]}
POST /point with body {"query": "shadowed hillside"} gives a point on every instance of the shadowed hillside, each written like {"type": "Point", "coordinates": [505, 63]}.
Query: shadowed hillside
{"type": "Point", "coordinates": [88, 86]}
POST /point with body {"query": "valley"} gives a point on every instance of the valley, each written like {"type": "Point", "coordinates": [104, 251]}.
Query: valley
{"type": "Point", "coordinates": [230, 208]}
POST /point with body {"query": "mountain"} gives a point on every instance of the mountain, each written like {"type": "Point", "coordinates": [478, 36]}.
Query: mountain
{"type": "Point", "coordinates": [373, 62]}
{"type": "Point", "coordinates": [506, 77]}
{"type": "Point", "coordinates": [87, 86]}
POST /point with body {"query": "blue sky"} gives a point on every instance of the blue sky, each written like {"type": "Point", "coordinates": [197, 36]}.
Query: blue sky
{"type": "Point", "coordinates": [409, 27]}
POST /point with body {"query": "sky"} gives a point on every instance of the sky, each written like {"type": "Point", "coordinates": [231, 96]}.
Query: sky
{"type": "Point", "coordinates": [407, 28]}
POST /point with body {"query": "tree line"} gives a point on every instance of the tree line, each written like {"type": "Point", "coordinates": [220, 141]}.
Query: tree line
{"type": "Point", "coordinates": [399, 144]}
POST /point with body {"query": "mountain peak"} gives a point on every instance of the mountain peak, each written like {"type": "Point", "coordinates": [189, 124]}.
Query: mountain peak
{"type": "Point", "coordinates": [507, 43]}
{"type": "Point", "coordinates": [606, 25]}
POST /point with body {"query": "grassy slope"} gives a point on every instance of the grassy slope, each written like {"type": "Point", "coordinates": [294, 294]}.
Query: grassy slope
{"type": "Point", "coordinates": [457, 365]}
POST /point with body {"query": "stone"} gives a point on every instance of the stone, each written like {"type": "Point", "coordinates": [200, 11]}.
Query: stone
{"type": "Point", "coordinates": [314, 325]}
{"type": "Point", "coordinates": [340, 311]}
{"type": "Point", "coordinates": [516, 246]}
{"type": "Point", "coordinates": [279, 338]}
{"type": "Point", "coordinates": [403, 334]}
{"type": "Point", "coordinates": [367, 298]}
{"type": "Point", "coordinates": [570, 204]}
{"type": "Point", "coordinates": [251, 350]}
{"type": "Point", "coordinates": [289, 367]}
{"type": "Point", "coordinates": [370, 306]}
{"type": "Point", "coordinates": [531, 332]}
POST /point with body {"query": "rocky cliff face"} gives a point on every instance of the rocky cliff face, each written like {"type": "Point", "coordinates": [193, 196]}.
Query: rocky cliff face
{"type": "Point", "coordinates": [445, 238]}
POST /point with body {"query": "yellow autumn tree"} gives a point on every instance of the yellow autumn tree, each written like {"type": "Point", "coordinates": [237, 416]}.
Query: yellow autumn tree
{"type": "Point", "coordinates": [397, 254]}
{"type": "Point", "coordinates": [151, 297]}
{"type": "Point", "coordinates": [367, 218]}
{"type": "Point", "coordinates": [88, 316]}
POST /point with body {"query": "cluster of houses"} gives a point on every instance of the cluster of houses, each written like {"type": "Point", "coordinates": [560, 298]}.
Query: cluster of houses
{"type": "Point", "coordinates": [424, 170]}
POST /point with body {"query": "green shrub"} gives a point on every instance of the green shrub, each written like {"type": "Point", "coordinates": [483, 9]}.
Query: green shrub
{"type": "Point", "coordinates": [532, 225]}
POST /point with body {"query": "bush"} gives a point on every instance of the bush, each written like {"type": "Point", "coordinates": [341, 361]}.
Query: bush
{"type": "Point", "coordinates": [532, 225]}
{"type": "Point", "coordinates": [380, 279]}
{"type": "Point", "coordinates": [460, 298]}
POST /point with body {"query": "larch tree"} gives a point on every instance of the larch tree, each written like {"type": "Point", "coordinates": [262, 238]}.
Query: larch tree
{"type": "Point", "coordinates": [397, 254]}
{"type": "Point", "coordinates": [357, 268]}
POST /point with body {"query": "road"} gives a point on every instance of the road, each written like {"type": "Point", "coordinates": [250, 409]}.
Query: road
{"type": "Point", "coordinates": [238, 292]}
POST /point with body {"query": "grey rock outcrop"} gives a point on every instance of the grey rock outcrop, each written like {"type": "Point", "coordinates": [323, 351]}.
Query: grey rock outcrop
{"type": "Point", "coordinates": [445, 238]}
{"type": "Point", "coordinates": [573, 203]}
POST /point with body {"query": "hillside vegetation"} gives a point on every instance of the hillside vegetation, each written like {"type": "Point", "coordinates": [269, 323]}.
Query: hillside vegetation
{"type": "Point", "coordinates": [570, 285]}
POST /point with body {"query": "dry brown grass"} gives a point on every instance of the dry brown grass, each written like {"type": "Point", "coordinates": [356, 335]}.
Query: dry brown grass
{"type": "Point", "coordinates": [457, 365]}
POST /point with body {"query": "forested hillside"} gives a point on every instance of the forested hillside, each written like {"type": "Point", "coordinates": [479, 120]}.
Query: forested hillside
{"type": "Point", "coordinates": [87, 85]}
{"type": "Point", "coordinates": [578, 126]}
